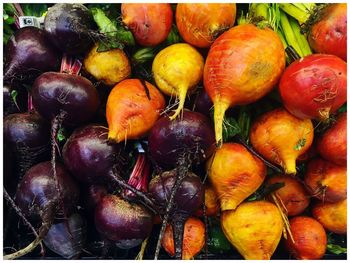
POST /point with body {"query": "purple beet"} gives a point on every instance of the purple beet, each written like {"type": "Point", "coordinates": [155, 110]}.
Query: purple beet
{"type": "Point", "coordinates": [37, 191]}
{"type": "Point", "coordinates": [67, 238]}
{"type": "Point", "coordinates": [28, 136]}
{"type": "Point", "coordinates": [187, 200]}
{"type": "Point", "coordinates": [69, 27]}
{"type": "Point", "coordinates": [92, 195]}
{"type": "Point", "coordinates": [88, 155]}
{"type": "Point", "coordinates": [14, 99]}
{"type": "Point", "coordinates": [192, 134]}
{"type": "Point", "coordinates": [55, 92]}
{"type": "Point", "coordinates": [203, 103]}
{"type": "Point", "coordinates": [28, 54]}
{"type": "Point", "coordinates": [125, 223]}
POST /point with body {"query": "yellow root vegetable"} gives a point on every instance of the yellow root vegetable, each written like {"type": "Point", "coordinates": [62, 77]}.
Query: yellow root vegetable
{"type": "Point", "coordinates": [235, 174]}
{"type": "Point", "coordinates": [177, 70]}
{"type": "Point", "coordinates": [281, 138]}
{"type": "Point", "coordinates": [254, 229]}
{"type": "Point", "coordinates": [110, 67]}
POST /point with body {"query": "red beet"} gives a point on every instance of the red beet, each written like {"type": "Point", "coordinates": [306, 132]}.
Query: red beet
{"type": "Point", "coordinates": [313, 87]}
{"type": "Point", "coordinates": [92, 195]}
{"type": "Point", "coordinates": [55, 92]}
{"type": "Point", "coordinates": [14, 103]}
{"type": "Point", "coordinates": [203, 103]}
{"type": "Point", "coordinates": [29, 53]}
{"type": "Point", "coordinates": [191, 134]}
{"type": "Point", "coordinates": [333, 144]}
{"type": "Point", "coordinates": [128, 224]}
{"type": "Point", "coordinates": [88, 155]}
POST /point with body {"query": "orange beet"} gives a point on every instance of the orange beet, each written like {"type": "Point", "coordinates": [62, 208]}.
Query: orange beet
{"type": "Point", "coordinates": [326, 181]}
{"type": "Point", "coordinates": [132, 109]}
{"type": "Point", "coordinates": [150, 23]}
{"type": "Point", "coordinates": [333, 144]}
{"type": "Point", "coordinates": [332, 216]}
{"type": "Point", "coordinates": [309, 236]}
{"type": "Point", "coordinates": [292, 194]}
{"type": "Point", "coordinates": [211, 202]}
{"type": "Point", "coordinates": [235, 174]}
{"type": "Point", "coordinates": [281, 138]}
{"type": "Point", "coordinates": [200, 24]}
{"type": "Point", "coordinates": [193, 240]}
{"type": "Point", "coordinates": [242, 66]}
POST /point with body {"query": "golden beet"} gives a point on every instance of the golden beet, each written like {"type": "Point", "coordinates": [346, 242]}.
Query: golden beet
{"type": "Point", "coordinates": [110, 67]}
{"type": "Point", "coordinates": [293, 195]}
{"type": "Point", "coordinates": [281, 138]}
{"type": "Point", "coordinates": [211, 202]}
{"type": "Point", "coordinates": [332, 216]}
{"type": "Point", "coordinates": [177, 70]}
{"type": "Point", "coordinates": [193, 240]}
{"type": "Point", "coordinates": [254, 229]}
{"type": "Point", "coordinates": [235, 174]}
{"type": "Point", "coordinates": [132, 109]}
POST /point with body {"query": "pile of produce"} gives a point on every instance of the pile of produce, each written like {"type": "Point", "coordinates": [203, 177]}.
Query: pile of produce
{"type": "Point", "coordinates": [183, 131]}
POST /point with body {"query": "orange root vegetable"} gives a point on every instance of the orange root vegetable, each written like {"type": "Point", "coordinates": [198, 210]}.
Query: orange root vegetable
{"type": "Point", "coordinates": [200, 24]}
{"type": "Point", "coordinates": [212, 206]}
{"type": "Point", "coordinates": [150, 23]}
{"type": "Point", "coordinates": [193, 240]}
{"type": "Point", "coordinates": [177, 69]}
{"type": "Point", "coordinates": [326, 181]}
{"type": "Point", "coordinates": [110, 67]}
{"type": "Point", "coordinates": [235, 174]}
{"type": "Point", "coordinates": [242, 66]}
{"type": "Point", "coordinates": [310, 239]}
{"type": "Point", "coordinates": [292, 196]}
{"type": "Point", "coordinates": [333, 216]}
{"type": "Point", "coordinates": [133, 106]}
{"type": "Point", "coordinates": [333, 144]}
{"type": "Point", "coordinates": [281, 138]}
{"type": "Point", "coordinates": [254, 229]}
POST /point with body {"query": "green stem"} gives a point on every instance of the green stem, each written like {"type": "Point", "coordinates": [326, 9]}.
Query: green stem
{"type": "Point", "coordinates": [289, 34]}
{"type": "Point", "coordinates": [309, 6]}
{"type": "Point", "coordinates": [301, 39]}
{"type": "Point", "coordinates": [295, 12]}
{"type": "Point", "coordinates": [301, 6]}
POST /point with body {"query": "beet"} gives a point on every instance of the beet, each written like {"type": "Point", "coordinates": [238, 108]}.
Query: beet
{"type": "Point", "coordinates": [67, 238]}
{"type": "Point", "coordinates": [192, 134]}
{"type": "Point", "coordinates": [88, 155]}
{"type": "Point", "coordinates": [203, 103]}
{"type": "Point", "coordinates": [16, 104]}
{"type": "Point", "coordinates": [28, 54]}
{"type": "Point", "coordinates": [55, 92]}
{"type": "Point", "coordinates": [69, 27]}
{"type": "Point", "coordinates": [37, 190]}
{"type": "Point", "coordinates": [92, 195]}
{"type": "Point", "coordinates": [28, 136]}
{"type": "Point", "coordinates": [124, 223]}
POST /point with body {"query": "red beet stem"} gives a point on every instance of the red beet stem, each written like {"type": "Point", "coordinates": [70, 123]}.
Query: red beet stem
{"type": "Point", "coordinates": [70, 65]}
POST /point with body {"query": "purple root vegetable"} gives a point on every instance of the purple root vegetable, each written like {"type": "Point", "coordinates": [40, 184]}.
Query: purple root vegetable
{"type": "Point", "coordinates": [192, 135]}
{"type": "Point", "coordinates": [28, 137]}
{"type": "Point", "coordinates": [178, 205]}
{"type": "Point", "coordinates": [14, 99]}
{"type": "Point", "coordinates": [92, 195]}
{"type": "Point", "coordinates": [28, 54]}
{"type": "Point", "coordinates": [67, 238]}
{"type": "Point", "coordinates": [203, 103]}
{"type": "Point", "coordinates": [70, 27]}
{"type": "Point", "coordinates": [38, 198]}
{"type": "Point", "coordinates": [88, 155]}
{"type": "Point", "coordinates": [125, 223]}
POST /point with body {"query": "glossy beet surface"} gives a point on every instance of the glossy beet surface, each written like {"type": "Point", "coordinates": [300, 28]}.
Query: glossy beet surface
{"type": "Point", "coordinates": [190, 134]}
{"type": "Point", "coordinates": [29, 53]}
{"type": "Point", "coordinates": [120, 221]}
{"type": "Point", "coordinates": [76, 95]}
{"type": "Point", "coordinates": [88, 155]}
{"type": "Point", "coordinates": [14, 99]}
{"type": "Point", "coordinates": [68, 237]}
{"type": "Point", "coordinates": [188, 198]}
{"type": "Point", "coordinates": [69, 27]}
{"type": "Point", "coordinates": [37, 189]}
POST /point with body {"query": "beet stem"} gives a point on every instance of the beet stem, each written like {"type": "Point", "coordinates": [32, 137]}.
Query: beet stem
{"type": "Point", "coordinates": [292, 54]}
{"type": "Point", "coordinates": [70, 65]}
{"type": "Point", "coordinates": [146, 200]}
{"type": "Point", "coordinates": [178, 224]}
{"type": "Point", "coordinates": [267, 163]}
{"type": "Point", "coordinates": [181, 174]}
{"type": "Point", "coordinates": [30, 102]}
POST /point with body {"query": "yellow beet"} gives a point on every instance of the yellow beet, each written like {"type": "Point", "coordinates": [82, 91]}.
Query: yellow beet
{"type": "Point", "coordinates": [235, 174]}
{"type": "Point", "coordinates": [110, 67]}
{"type": "Point", "coordinates": [177, 70]}
{"type": "Point", "coordinates": [281, 138]}
{"type": "Point", "coordinates": [254, 229]}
